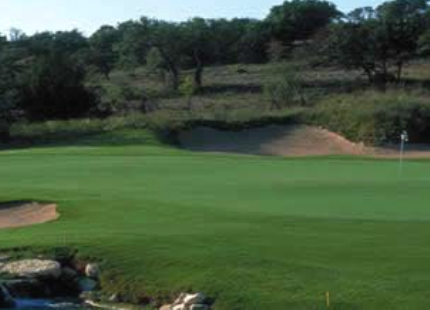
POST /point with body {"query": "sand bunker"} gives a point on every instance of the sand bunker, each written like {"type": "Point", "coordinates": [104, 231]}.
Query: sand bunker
{"type": "Point", "coordinates": [296, 140]}
{"type": "Point", "coordinates": [20, 214]}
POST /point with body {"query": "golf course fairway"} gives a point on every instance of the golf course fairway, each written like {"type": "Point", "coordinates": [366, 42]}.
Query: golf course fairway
{"type": "Point", "coordinates": [251, 232]}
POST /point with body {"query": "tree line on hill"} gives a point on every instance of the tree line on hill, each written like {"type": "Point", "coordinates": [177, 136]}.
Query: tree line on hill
{"type": "Point", "coordinates": [44, 76]}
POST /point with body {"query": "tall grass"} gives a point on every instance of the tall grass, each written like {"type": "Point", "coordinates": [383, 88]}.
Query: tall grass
{"type": "Point", "coordinates": [375, 117]}
{"type": "Point", "coordinates": [57, 130]}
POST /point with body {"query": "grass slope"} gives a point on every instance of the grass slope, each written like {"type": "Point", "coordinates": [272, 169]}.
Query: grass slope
{"type": "Point", "coordinates": [252, 232]}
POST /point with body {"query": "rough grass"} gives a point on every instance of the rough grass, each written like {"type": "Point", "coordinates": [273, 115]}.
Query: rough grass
{"type": "Point", "coordinates": [252, 232]}
{"type": "Point", "coordinates": [375, 117]}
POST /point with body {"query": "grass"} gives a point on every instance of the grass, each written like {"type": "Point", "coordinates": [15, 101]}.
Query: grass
{"type": "Point", "coordinates": [375, 117]}
{"type": "Point", "coordinates": [252, 232]}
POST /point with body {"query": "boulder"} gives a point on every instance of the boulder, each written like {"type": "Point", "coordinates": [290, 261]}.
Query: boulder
{"type": "Point", "coordinates": [87, 285]}
{"type": "Point", "coordinates": [69, 274]}
{"type": "Point", "coordinates": [180, 299]}
{"type": "Point", "coordinates": [166, 307]}
{"type": "Point", "coordinates": [190, 301]}
{"type": "Point", "coordinates": [92, 271]}
{"type": "Point", "coordinates": [6, 300]}
{"type": "Point", "coordinates": [33, 268]}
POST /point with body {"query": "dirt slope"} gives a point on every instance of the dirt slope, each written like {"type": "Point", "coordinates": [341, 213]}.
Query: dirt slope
{"type": "Point", "coordinates": [19, 214]}
{"type": "Point", "coordinates": [272, 140]}
{"type": "Point", "coordinates": [297, 140]}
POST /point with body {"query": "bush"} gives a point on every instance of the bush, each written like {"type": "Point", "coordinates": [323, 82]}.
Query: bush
{"type": "Point", "coordinates": [120, 99]}
{"type": "Point", "coordinates": [53, 87]}
{"type": "Point", "coordinates": [376, 118]}
{"type": "Point", "coordinates": [284, 90]}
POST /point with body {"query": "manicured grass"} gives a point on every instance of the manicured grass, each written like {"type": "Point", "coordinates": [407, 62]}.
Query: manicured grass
{"type": "Point", "coordinates": [252, 232]}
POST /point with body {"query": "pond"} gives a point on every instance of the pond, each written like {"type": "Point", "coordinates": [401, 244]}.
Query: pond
{"type": "Point", "coordinates": [44, 304]}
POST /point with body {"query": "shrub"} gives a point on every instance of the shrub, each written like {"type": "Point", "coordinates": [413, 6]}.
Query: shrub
{"type": "Point", "coordinates": [376, 118]}
{"type": "Point", "coordinates": [120, 99]}
{"type": "Point", "coordinates": [53, 87]}
{"type": "Point", "coordinates": [284, 90]}
{"type": "Point", "coordinates": [187, 89]}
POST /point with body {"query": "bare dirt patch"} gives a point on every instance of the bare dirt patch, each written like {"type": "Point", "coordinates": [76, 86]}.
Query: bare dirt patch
{"type": "Point", "coordinates": [288, 141]}
{"type": "Point", "coordinates": [20, 214]}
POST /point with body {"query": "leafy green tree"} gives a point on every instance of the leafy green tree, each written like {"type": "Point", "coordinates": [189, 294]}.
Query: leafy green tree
{"type": "Point", "coordinates": [377, 41]}
{"type": "Point", "coordinates": [403, 22]}
{"type": "Point", "coordinates": [154, 61]}
{"type": "Point", "coordinates": [228, 39]}
{"type": "Point", "coordinates": [167, 38]}
{"type": "Point", "coordinates": [103, 54]}
{"type": "Point", "coordinates": [300, 19]}
{"type": "Point", "coordinates": [198, 46]}
{"type": "Point", "coordinates": [7, 91]}
{"type": "Point", "coordinates": [69, 43]}
{"type": "Point", "coordinates": [52, 87]}
{"type": "Point", "coordinates": [132, 46]}
{"type": "Point", "coordinates": [252, 47]}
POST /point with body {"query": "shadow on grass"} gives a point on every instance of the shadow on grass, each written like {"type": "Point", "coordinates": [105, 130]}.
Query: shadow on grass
{"type": "Point", "coordinates": [231, 88]}
{"type": "Point", "coordinates": [13, 204]}
{"type": "Point", "coordinates": [93, 139]}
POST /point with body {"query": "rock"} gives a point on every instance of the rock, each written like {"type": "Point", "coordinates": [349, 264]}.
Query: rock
{"type": "Point", "coordinates": [33, 268]}
{"type": "Point", "coordinates": [114, 298]}
{"type": "Point", "coordinates": [6, 300]}
{"type": "Point", "coordinates": [180, 299]}
{"type": "Point", "coordinates": [69, 274]}
{"type": "Point", "coordinates": [191, 299]}
{"type": "Point", "coordinates": [92, 271]}
{"type": "Point", "coordinates": [188, 301]}
{"type": "Point", "coordinates": [4, 258]}
{"type": "Point", "coordinates": [87, 285]}
{"type": "Point", "coordinates": [166, 307]}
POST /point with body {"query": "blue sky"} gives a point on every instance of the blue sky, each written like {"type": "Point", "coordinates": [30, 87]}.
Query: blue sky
{"type": "Point", "coordinates": [87, 15]}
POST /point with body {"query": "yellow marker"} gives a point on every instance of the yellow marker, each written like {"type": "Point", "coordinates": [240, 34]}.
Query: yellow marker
{"type": "Point", "coordinates": [327, 296]}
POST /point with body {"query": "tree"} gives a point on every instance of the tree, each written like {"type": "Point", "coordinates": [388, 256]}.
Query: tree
{"type": "Point", "coordinates": [198, 46]}
{"type": "Point", "coordinates": [167, 38]}
{"type": "Point", "coordinates": [252, 47]}
{"type": "Point", "coordinates": [133, 45]}
{"type": "Point", "coordinates": [52, 87]}
{"type": "Point", "coordinates": [228, 38]}
{"type": "Point", "coordinates": [403, 23]}
{"type": "Point", "coordinates": [103, 54]}
{"type": "Point", "coordinates": [8, 91]}
{"type": "Point", "coordinates": [299, 20]}
{"type": "Point", "coordinates": [377, 41]}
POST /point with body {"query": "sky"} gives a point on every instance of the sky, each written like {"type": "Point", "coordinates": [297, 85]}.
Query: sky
{"type": "Point", "coordinates": [33, 16]}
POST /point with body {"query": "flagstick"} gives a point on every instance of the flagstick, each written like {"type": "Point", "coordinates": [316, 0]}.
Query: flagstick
{"type": "Point", "coordinates": [404, 138]}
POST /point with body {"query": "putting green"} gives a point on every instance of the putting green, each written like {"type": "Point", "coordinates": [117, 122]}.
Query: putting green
{"type": "Point", "coordinates": [252, 232]}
